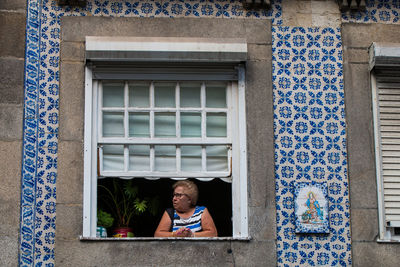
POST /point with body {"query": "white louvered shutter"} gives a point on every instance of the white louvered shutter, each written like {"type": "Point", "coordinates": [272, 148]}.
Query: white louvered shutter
{"type": "Point", "coordinates": [388, 95]}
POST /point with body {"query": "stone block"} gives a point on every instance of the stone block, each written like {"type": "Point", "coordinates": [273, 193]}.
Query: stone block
{"type": "Point", "coordinates": [363, 192]}
{"type": "Point", "coordinates": [12, 25]}
{"type": "Point", "coordinates": [12, 80]}
{"type": "Point", "coordinates": [325, 7]}
{"type": "Point", "coordinates": [72, 51]}
{"type": "Point", "coordinates": [69, 221]}
{"type": "Point", "coordinates": [72, 101]}
{"type": "Point", "coordinates": [255, 253]}
{"type": "Point", "coordinates": [297, 6]}
{"type": "Point", "coordinates": [375, 254]}
{"type": "Point", "coordinates": [10, 175]}
{"type": "Point", "coordinates": [70, 172]}
{"type": "Point", "coordinates": [156, 253]}
{"type": "Point", "coordinates": [11, 121]}
{"type": "Point", "coordinates": [9, 220]}
{"type": "Point", "coordinates": [262, 222]}
{"type": "Point", "coordinates": [364, 224]}
{"type": "Point", "coordinates": [295, 19]}
{"type": "Point", "coordinates": [360, 140]}
{"type": "Point", "coordinates": [76, 28]}
{"type": "Point", "coordinates": [9, 250]}
{"type": "Point", "coordinates": [357, 35]}
{"type": "Point", "coordinates": [16, 5]}
{"type": "Point", "coordinates": [356, 55]}
{"type": "Point", "coordinates": [257, 31]}
{"type": "Point", "coordinates": [326, 20]}
{"type": "Point", "coordinates": [259, 52]}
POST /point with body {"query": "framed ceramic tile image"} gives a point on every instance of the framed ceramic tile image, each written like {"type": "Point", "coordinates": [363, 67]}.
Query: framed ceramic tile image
{"type": "Point", "coordinates": [311, 207]}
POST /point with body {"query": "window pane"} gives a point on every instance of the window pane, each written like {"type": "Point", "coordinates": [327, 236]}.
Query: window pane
{"type": "Point", "coordinates": [139, 124]}
{"type": "Point", "coordinates": [191, 124]}
{"type": "Point", "coordinates": [165, 158]}
{"type": "Point", "coordinates": [190, 94]}
{"type": "Point", "coordinates": [217, 158]}
{"type": "Point", "coordinates": [164, 125]}
{"type": "Point", "coordinates": [113, 94]}
{"type": "Point", "coordinates": [113, 158]}
{"type": "Point", "coordinates": [164, 94]}
{"type": "Point", "coordinates": [216, 95]}
{"type": "Point", "coordinates": [216, 124]}
{"type": "Point", "coordinates": [139, 95]}
{"type": "Point", "coordinates": [113, 124]}
{"type": "Point", "coordinates": [191, 158]}
{"type": "Point", "coordinates": [139, 158]}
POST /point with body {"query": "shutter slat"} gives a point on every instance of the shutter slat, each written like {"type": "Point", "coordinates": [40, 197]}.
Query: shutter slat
{"type": "Point", "coordinates": [391, 179]}
{"type": "Point", "coordinates": [391, 153]}
{"type": "Point", "coordinates": [392, 192]}
{"type": "Point", "coordinates": [391, 186]}
{"type": "Point", "coordinates": [396, 199]}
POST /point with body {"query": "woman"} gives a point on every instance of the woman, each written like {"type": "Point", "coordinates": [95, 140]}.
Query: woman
{"type": "Point", "coordinates": [186, 219]}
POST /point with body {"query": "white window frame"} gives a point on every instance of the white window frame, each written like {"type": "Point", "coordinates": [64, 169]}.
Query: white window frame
{"type": "Point", "coordinates": [239, 149]}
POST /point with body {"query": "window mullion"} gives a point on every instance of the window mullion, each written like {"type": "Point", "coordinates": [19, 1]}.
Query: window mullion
{"type": "Point", "coordinates": [126, 126]}
{"type": "Point", "coordinates": [203, 127]}
{"type": "Point", "coordinates": [152, 158]}
{"type": "Point", "coordinates": [178, 126]}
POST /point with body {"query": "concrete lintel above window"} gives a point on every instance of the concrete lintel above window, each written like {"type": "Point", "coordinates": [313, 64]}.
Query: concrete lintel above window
{"type": "Point", "coordinates": [383, 55]}
{"type": "Point", "coordinates": [162, 49]}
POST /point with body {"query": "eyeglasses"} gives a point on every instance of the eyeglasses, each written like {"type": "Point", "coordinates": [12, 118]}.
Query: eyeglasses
{"type": "Point", "coordinates": [178, 195]}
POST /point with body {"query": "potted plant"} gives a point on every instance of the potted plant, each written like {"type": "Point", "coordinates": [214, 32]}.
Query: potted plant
{"type": "Point", "coordinates": [123, 201]}
{"type": "Point", "coordinates": [104, 221]}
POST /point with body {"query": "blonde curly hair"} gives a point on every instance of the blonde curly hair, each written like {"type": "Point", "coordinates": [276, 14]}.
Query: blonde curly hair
{"type": "Point", "coordinates": [190, 189]}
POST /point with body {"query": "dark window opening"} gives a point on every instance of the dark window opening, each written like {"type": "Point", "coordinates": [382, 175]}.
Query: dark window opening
{"type": "Point", "coordinates": [216, 195]}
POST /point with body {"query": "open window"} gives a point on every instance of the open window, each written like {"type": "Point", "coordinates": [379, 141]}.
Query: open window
{"type": "Point", "coordinates": [160, 111]}
{"type": "Point", "coordinates": [385, 83]}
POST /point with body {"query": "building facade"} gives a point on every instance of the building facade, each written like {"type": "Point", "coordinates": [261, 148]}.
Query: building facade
{"type": "Point", "coordinates": [310, 108]}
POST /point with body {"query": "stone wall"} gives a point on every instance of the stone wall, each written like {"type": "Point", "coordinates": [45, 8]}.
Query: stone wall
{"type": "Point", "coordinates": [12, 46]}
{"type": "Point", "coordinates": [361, 159]}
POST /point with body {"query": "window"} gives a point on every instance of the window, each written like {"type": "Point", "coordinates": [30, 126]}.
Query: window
{"type": "Point", "coordinates": [385, 80]}
{"type": "Point", "coordinates": [164, 120]}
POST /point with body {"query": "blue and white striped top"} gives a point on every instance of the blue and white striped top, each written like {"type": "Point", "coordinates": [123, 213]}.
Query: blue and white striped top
{"type": "Point", "coordinates": [193, 222]}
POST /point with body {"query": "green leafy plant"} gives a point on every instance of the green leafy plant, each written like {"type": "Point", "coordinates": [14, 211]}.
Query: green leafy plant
{"type": "Point", "coordinates": [104, 219]}
{"type": "Point", "coordinates": [124, 203]}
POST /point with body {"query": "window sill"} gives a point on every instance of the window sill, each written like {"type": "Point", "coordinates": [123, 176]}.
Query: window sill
{"type": "Point", "coordinates": [388, 241]}
{"type": "Point", "coordinates": [141, 239]}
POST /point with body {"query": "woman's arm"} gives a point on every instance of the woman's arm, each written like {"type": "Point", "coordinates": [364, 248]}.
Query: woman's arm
{"type": "Point", "coordinates": [163, 229]}
{"type": "Point", "coordinates": [207, 223]}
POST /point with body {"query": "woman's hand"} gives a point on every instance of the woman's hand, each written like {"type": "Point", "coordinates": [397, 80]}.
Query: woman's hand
{"type": "Point", "coordinates": [183, 232]}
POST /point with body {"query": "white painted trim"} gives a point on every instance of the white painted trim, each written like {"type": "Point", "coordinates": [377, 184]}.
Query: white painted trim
{"type": "Point", "coordinates": [242, 153]}
{"type": "Point", "coordinates": [165, 44]}
{"type": "Point", "coordinates": [378, 157]}
{"type": "Point", "coordinates": [87, 154]}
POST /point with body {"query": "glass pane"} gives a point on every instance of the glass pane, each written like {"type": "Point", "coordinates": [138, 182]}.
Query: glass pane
{"type": "Point", "coordinates": [216, 124]}
{"type": "Point", "coordinates": [139, 95]}
{"type": "Point", "coordinates": [216, 95]}
{"type": "Point", "coordinates": [139, 158]}
{"type": "Point", "coordinates": [164, 125]}
{"type": "Point", "coordinates": [191, 124]}
{"type": "Point", "coordinates": [113, 124]}
{"type": "Point", "coordinates": [191, 158]}
{"type": "Point", "coordinates": [190, 94]}
{"type": "Point", "coordinates": [164, 94]}
{"type": "Point", "coordinates": [139, 124]}
{"type": "Point", "coordinates": [113, 158]}
{"type": "Point", "coordinates": [217, 158]}
{"type": "Point", "coordinates": [113, 94]}
{"type": "Point", "coordinates": [165, 158]}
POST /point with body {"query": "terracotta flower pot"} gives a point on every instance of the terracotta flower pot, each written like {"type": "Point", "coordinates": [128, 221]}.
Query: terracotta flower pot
{"type": "Point", "coordinates": [123, 232]}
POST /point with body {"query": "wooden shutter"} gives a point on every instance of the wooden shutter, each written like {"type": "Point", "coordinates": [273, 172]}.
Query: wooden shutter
{"type": "Point", "coordinates": [388, 96]}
